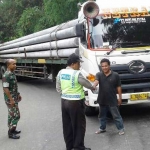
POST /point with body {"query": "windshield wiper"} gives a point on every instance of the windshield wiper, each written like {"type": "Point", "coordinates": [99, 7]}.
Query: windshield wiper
{"type": "Point", "coordinates": [126, 46]}
{"type": "Point", "coordinates": [135, 51]}
{"type": "Point", "coordinates": [110, 51]}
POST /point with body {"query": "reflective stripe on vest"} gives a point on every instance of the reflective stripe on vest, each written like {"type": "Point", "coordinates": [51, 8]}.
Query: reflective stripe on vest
{"type": "Point", "coordinates": [71, 89]}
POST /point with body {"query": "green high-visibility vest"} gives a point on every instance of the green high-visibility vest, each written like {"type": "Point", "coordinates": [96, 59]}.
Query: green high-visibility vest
{"type": "Point", "coordinates": [71, 89]}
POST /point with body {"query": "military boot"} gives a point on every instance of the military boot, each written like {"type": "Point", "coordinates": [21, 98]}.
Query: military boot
{"type": "Point", "coordinates": [13, 135]}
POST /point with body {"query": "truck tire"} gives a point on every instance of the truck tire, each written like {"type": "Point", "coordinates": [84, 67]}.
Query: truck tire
{"type": "Point", "coordinates": [2, 71]}
{"type": "Point", "coordinates": [90, 111]}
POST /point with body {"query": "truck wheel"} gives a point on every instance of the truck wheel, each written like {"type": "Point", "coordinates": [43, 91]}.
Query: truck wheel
{"type": "Point", "coordinates": [90, 111]}
{"type": "Point", "coordinates": [2, 71]}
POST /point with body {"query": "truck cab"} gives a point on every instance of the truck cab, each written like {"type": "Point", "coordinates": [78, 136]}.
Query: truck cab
{"type": "Point", "coordinates": [119, 32]}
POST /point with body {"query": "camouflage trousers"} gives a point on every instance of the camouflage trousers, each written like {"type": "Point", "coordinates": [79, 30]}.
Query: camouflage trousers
{"type": "Point", "coordinates": [13, 116]}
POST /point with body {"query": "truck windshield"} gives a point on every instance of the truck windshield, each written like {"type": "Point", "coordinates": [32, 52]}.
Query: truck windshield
{"type": "Point", "coordinates": [119, 32]}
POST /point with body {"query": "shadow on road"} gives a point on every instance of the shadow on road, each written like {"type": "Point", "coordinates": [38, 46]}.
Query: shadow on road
{"type": "Point", "coordinates": [38, 82]}
{"type": "Point", "coordinates": [133, 111]}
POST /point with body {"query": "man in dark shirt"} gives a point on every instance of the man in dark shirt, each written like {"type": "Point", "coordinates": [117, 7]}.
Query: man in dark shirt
{"type": "Point", "coordinates": [109, 86]}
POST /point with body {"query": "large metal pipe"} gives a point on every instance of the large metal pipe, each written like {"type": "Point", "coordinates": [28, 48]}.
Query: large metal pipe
{"type": "Point", "coordinates": [46, 31]}
{"type": "Point", "coordinates": [66, 43]}
{"type": "Point", "coordinates": [44, 54]}
{"type": "Point", "coordinates": [62, 34]}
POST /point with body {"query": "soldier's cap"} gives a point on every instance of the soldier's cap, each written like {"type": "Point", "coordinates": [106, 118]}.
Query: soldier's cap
{"type": "Point", "coordinates": [73, 58]}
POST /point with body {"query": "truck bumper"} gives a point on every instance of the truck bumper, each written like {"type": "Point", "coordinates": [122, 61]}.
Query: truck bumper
{"type": "Point", "coordinates": [91, 98]}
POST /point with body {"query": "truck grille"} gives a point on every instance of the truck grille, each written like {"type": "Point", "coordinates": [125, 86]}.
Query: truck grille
{"type": "Point", "coordinates": [133, 83]}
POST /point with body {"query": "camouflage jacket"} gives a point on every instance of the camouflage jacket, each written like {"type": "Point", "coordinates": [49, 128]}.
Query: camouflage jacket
{"type": "Point", "coordinates": [9, 81]}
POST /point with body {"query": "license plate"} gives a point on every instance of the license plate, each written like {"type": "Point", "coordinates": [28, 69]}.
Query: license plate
{"type": "Point", "coordinates": [142, 96]}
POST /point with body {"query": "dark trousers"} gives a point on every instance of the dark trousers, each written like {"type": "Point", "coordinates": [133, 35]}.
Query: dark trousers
{"type": "Point", "coordinates": [74, 123]}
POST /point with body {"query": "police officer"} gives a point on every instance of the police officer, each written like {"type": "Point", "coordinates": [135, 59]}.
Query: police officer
{"type": "Point", "coordinates": [12, 97]}
{"type": "Point", "coordinates": [70, 84]}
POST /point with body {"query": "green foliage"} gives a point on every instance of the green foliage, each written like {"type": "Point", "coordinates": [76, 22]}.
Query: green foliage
{"type": "Point", "coordinates": [9, 16]}
{"type": "Point", "coordinates": [27, 22]}
{"type": "Point", "coordinates": [28, 3]}
{"type": "Point", "coordinates": [61, 10]}
{"type": "Point", "coordinates": [22, 17]}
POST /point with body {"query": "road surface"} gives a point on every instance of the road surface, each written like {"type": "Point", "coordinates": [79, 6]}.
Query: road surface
{"type": "Point", "coordinates": [41, 125]}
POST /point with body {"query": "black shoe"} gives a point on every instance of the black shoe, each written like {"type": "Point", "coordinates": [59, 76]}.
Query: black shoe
{"type": "Point", "coordinates": [17, 132]}
{"type": "Point", "coordinates": [87, 148]}
{"type": "Point", "coordinates": [14, 136]}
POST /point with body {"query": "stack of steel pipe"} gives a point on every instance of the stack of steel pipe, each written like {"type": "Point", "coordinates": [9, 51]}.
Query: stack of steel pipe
{"type": "Point", "coordinates": [58, 41]}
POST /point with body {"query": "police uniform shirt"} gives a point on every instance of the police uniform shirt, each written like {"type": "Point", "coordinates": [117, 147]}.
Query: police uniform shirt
{"type": "Point", "coordinates": [81, 81]}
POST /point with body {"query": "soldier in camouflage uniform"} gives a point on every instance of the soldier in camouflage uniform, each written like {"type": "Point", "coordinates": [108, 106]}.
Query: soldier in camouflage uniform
{"type": "Point", "coordinates": [12, 97]}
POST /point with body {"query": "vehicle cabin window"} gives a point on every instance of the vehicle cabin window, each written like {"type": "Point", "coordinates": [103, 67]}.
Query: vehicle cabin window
{"type": "Point", "coordinates": [119, 32]}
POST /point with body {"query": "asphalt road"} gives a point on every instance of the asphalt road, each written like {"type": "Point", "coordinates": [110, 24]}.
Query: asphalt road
{"type": "Point", "coordinates": [41, 125]}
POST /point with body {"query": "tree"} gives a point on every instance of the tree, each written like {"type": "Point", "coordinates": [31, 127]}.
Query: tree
{"type": "Point", "coordinates": [8, 19]}
{"type": "Point", "coordinates": [21, 17]}
{"type": "Point", "coordinates": [61, 11]}
{"type": "Point", "coordinates": [27, 22]}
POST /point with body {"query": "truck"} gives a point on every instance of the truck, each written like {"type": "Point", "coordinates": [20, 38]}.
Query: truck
{"type": "Point", "coordinates": [112, 29]}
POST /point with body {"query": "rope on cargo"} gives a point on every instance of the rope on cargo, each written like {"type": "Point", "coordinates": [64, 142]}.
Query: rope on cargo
{"type": "Point", "coordinates": [18, 50]}
{"type": "Point", "coordinates": [51, 41]}
{"type": "Point", "coordinates": [56, 41]}
{"type": "Point", "coordinates": [55, 30]}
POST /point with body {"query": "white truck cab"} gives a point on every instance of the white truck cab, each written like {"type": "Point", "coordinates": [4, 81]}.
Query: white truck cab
{"type": "Point", "coordinates": [120, 31]}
